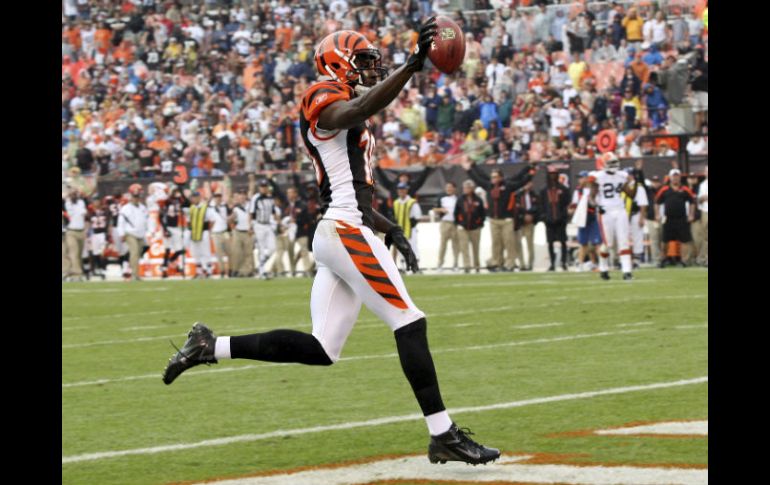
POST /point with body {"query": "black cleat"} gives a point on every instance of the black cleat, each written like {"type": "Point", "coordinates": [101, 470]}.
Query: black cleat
{"type": "Point", "coordinates": [628, 276]}
{"type": "Point", "coordinates": [199, 349]}
{"type": "Point", "coordinates": [605, 275]}
{"type": "Point", "coordinates": [455, 445]}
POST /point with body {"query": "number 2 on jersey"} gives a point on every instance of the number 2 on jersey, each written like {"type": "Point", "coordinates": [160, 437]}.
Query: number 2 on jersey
{"type": "Point", "coordinates": [610, 190]}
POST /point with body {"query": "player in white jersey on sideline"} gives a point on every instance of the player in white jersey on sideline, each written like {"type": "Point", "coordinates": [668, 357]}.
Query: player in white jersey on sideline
{"type": "Point", "coordinates": [607, 184]}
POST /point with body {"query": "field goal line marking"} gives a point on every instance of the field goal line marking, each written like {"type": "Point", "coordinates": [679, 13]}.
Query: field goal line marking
{"type": "Point", "coordinates": [513, 343]}
{"type": "Point", "coordinates": [373, 422]}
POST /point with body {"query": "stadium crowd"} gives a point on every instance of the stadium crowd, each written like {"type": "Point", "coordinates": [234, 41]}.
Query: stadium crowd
{"type": "Point", "coordinates": [212, 86]}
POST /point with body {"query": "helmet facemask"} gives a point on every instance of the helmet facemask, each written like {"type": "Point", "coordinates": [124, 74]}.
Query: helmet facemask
{"type": "Point", "coordinates": [363, 63]}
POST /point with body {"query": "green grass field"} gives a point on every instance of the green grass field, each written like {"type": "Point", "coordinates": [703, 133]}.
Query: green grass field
{"type": "Point", "coordinates": [497, 338]}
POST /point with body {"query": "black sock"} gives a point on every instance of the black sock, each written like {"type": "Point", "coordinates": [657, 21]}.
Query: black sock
{"type": "Point", "coordinates": [280, 346]}
{"type": "Point", "coordinates": [551, 253]}
{"type": "Point", "coordinates": [564, 253]}
{"type": "Point", "coordinates": [417, 363]}
{"type": "Point", "coordinates": [165, 258]}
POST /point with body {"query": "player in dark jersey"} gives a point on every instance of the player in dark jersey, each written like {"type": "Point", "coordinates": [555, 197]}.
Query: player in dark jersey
{"type": "Point", "coordinates": [100, 222]}
{"type": "Point", "coordinates": [172, 221]}
{"type": "Point", "coordinates": [354, 266]}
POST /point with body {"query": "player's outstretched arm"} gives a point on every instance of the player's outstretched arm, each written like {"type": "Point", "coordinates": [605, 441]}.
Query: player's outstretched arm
{"type": "Point", "coordinates": [347, 114]}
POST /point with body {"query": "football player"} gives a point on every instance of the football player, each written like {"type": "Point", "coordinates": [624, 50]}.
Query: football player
{"type": "Point", "coordinates": [606, 187]}
{"type": "Point", "coordinates": [354, 266]}
{"type": "Point", "coordinates": [100, 227]}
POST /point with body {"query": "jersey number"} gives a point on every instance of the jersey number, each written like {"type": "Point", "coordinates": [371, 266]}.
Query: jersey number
{"type": "Point", "coordinates": [610, 190]}
{"type": "Point", "coordinates": [367, 144]}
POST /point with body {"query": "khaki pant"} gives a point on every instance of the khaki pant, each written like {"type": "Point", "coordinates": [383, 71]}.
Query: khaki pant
{"type": "Point", "coordinates": [65, 259]}
{"type": "Point", "coordinates": [75, 242]}
{"type": "Point", "coordinates": [281, 249]}
{"type": "Point", "coordinates": [502, 240]}
{"type": "Point", "coordinates": [703, 254]}
{"type": "Point", "coordinates": [222, 248]}
{"type": "Point", "coordinates": [654, 230]}
{"type": "Point", "coordinates": [448, 232]}
{"type": "Point", "coordinates": [242, 253]}
{"type": "Point", "coordinates": [135, 246]}
{"type": "Point", "coordinates": [527, 231]}
{"type": "Point", "coordinates": [471, 237]}
{"type": "Point", "coordinates": [298, 250]}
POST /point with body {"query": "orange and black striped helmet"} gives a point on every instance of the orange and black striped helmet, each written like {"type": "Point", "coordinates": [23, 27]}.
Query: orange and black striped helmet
{"type": "Point", "coordinates": [345, 54]}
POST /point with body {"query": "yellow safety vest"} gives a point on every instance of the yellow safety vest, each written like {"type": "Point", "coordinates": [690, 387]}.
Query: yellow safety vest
{"type": "Point", "coordinates": [402, 209]}
{"type": "Point", "coordinates": [628, 202]}
{"type": "Point", "coordinates": [197, 221]}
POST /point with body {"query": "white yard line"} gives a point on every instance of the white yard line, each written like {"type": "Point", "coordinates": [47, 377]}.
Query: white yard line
{"type": "Point", "coordinates": [634, 324]}
{"type": "Point", "coordinates": [538, 325]}
{"type": "Point", "coordinates": [101, 455]}
{"type": "Point", "coordinates": [360, 357]}
{"type": "Point", "coordinates": [687, 327]}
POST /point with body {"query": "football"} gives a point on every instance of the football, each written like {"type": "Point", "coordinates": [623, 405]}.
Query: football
{"type": "Point", "coordinates": [448, 49]}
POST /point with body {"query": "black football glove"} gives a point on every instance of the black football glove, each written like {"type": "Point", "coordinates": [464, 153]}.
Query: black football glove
{"type": "Point", "coordinates": [396, 236]}
{"type": "Point", "coordinates": [428, 31]}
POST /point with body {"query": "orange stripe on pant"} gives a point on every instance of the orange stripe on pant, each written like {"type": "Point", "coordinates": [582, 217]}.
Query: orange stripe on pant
{"type": "Point", "coordinates": [387, 290]}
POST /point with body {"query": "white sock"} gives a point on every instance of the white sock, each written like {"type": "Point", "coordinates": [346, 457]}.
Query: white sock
{"type": "Point", "coordinates": [222, 348]}
{"type": "Point", "coordinates": [438, 423]}
{"type": "Point", "coordinates": [625, 263]}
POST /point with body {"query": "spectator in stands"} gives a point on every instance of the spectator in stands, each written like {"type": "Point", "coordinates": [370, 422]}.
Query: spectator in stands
{"type": "Point", "coordinates": [672, 79]}
{"type": "Point", "coordinates": [632, 109]}
{"type": "Point", "coordinates": [697, 146]}
{"type": "Point", "coordinates": [695, 28]}
{"type": "Point", "coordinates": [633, 24]}
{"type": "Point", "coordinates": [657, 106]}
{"type": "Point", "coordinates": [700, 88]}
{"type": "Point", "coordinates": [469, 215]}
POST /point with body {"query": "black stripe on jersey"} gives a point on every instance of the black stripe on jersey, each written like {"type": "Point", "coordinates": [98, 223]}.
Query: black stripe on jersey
{"type": "Point", "coordinates": [364, 191]}
{"type": "Point", "coordinates": [359, 253]}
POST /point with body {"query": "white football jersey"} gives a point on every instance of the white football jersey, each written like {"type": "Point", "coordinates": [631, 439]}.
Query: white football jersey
{"type": "Point", "coordinates": [610, 186]}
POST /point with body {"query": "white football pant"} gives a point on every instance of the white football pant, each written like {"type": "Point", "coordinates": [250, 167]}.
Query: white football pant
{"type": "Point", "coordinates": [354, 267]}
{"type": "Point", "coordinates": [613, 226]}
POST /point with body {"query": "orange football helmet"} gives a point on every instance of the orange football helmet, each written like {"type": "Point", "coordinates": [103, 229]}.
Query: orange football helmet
{"type": "Point", "coordinates": [345, 55]}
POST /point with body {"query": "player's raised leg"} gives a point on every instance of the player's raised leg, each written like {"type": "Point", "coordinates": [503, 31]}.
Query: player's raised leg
{"type": "Point", "coordinates": [363, 262]}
